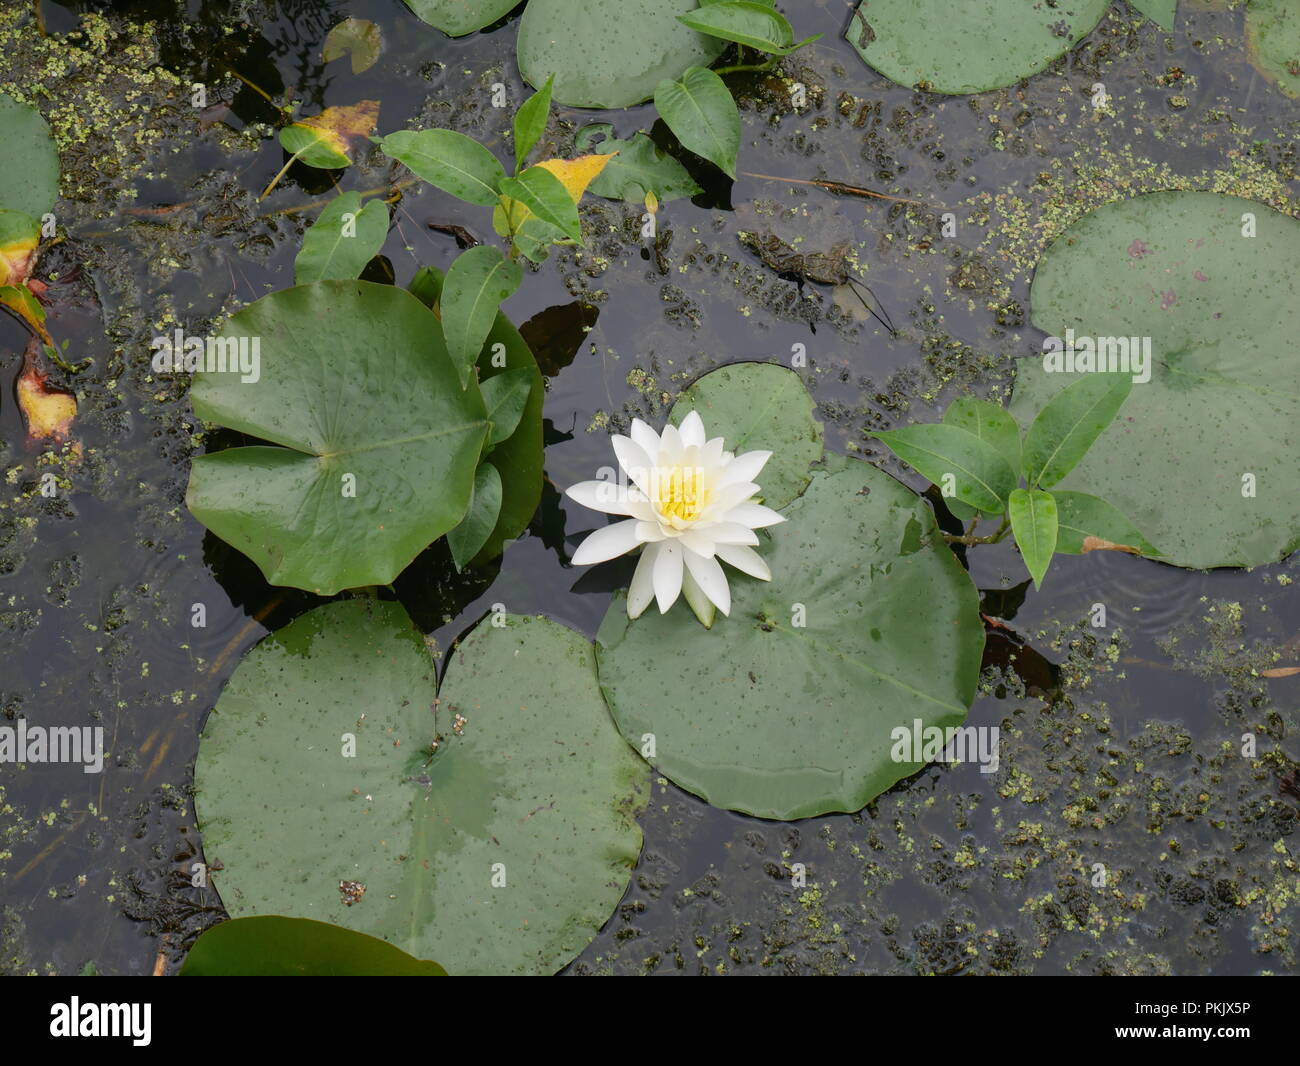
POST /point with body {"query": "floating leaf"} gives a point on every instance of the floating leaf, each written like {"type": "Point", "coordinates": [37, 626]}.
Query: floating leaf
{"type": "Point", "coordinates": [518, 459]}
{"type": "Point", "coordinates": [530, 122]}
{"type": "Point", "coordinates": [639, 169]}
{"type": "Point", "coordinates": [1160, 12]}
{"type": "Point", "coordinates": [1273, 41]}
{"type": "Point", "coordinates": [531, 788]}
{"type": "Point", "coordinates": [379, 439]}
{"type": "Point", "coordinates": [453, 162]}
{"type": "Point", "coordinates": [701, 111]}
{"type": "Point", "coordinates": [343, 239]}
{"type": "Point", "coordinates": [1082, 518]}
{"type": "Point", "coordinates": [1033, 522]}
{"type": "Point", "coordinates": [755, 25]}
{"type": "Point", "coordinates": [609, 54]}
{"type": "Point", "coordinates": [48, 411]}
{"type": "Point", "coordinates": [1069, 423]}
{"type": "Point", "coordinates": [967, 47]}
{"type": "Point", "coordinates": [478, 280]}
{"type": "Point", "coordinates": [505, 396]}
{"type": "Point", "coordinates": [19, 298]}
{"type": "Point", "coordinates": [960, 463]}
{"type": "Point", "coordinates": [30, 183]}
{"type": "Point", "coordinates": [274, 946]}
{"type": "Point", "coordinates": [458, 17]}
{"type": "Point", "coordinates": [20, 234]}
{"type": "Point", "coordinates": [1281, 671]}
{"type": "Point", "coordinates": [545, 196]}
{"type": "Point", "coordinates": [1202, 458]}
{"type": "Point", "coordinates": [468, 538]}
{"type": "Point", "coordinates": [328, 140]}
{"type": "Point", "coordinates": [787, 709]}
{"type": "Point", "coordinates": [760, 407]}
{"type": "Point", "coordinates": [359, 37]}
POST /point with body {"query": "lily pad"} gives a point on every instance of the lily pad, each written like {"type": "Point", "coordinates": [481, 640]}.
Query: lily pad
{"type": "Point", "coordinates": [503, 851]}
{"type": "Point", "coordinates": [607, 54]}
{"type": "Point", "coordinates": [759, 406]}
{"type": "Point", "coordinates": [379, 440]}
{"type": "Point", "coordinates": [967, 47]}
{"type": "Point", "coordinates": [458, 17]}
{"type": "Point", "coordinates": [31, 181]}
{"type": "Point", "coordinates": [1202, 456]}
{"type": "Point", "coordinates": [1273, 41]}
{"type": "Point", "coordinates": [1161, 12]}
{"type": "Point", "coordinates": [766, 716]}
{"type": "Point", "coordinates": [518, 458]}
{"type": "Point", "coordinates": [269, 945]}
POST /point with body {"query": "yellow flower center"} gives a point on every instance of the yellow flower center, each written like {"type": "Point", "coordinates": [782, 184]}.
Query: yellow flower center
{"type": "Point", "coordinates": [681, 495]}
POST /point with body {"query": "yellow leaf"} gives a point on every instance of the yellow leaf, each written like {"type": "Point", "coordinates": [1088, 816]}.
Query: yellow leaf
{"type": "Point", "coordinates": [574, 174]}
{"type": "Point", "coordinates": [47, 411]}
{"type": "Point", "coordinates": [17, 257]}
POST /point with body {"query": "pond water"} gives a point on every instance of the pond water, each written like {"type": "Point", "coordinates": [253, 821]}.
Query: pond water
{"type": "Point", "coordinates": [1119, 744]}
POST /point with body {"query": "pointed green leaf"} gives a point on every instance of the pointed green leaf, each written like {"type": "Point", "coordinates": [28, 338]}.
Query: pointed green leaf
{"type": "Point", "coordinates": [468, 538]}
{"type": "Point", "coordinates": [530, 122]}
{"type": "Point", "coordinates": [1069, 424]}
{"type": "Point", "coordinates": [546, 197]}
{"type": "Point", "coordinates": [957, 460]}
{"type": "Point", "coordinates": [992, 424]}
{"type": "Point", "coordinates": [639, 168]}
{"type": "Point", "coordinates": [505, 395]}
{"type": "Point", "coordinates": [453, 162]}
{"type": "Point", "coordinates": [342, 240]}
{"type": "Point", "coordinates": [1081, 515]}
{"type": "Point", "coordinates": [755, 25]}
{"type": "Point", "coordinates": [1033, 522]}
{"type": "Point", "coordinates": [476, 283]}
{"type": "Point", "coordinates": [700, 110]}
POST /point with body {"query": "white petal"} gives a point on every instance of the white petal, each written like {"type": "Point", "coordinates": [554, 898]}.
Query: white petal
{"type": "Point", "coordinates": [705, 609]}
{"type": "Point", "coordinates": [724, 499]}
{"type": "Point", "coordinates": [642, 589]}
{"type": "Point", "coordinates": [607, 543]}
{"type": "Point", "coordinates": [700, 541]}
{"type": "Point", "coordinates": [712, 581]}
{"type": "Point", "coordinates": [667, 574]}
{"type": "Point", "coordinates": [753, 515]}
{"type": "Point", "coordinates": [712, 452]}
{"type": "Point", "coordinates": [746, 560]}
{"type": "Point", "coordinates": [634, 461]}
{"type": "Point", "coordinates": [670, 445]}
{"type": "Point", "coordinates": [744, 468]}
{"type": "Point", "coordinates": [728, 533]}
{"type": "Point", "coordinates": [649, 532]}
{"type": "Point", "coordinates": [603, 496]}
{"type": "Point", "coordinates": [645, 437]}
{"type": "Point", "coordinates": [692, 430]}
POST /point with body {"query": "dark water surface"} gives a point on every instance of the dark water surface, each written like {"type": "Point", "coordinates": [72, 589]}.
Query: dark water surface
{"type": "Point", "coordinates": [1119, 745]}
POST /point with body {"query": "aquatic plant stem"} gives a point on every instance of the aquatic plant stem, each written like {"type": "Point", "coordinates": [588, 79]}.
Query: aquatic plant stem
{"type": "Point", "coordinates": [967, 538]}
{"type": "Point", "coordinates": [283, 170]}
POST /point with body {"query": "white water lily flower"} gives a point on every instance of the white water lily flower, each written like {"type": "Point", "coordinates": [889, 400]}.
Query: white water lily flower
{"type": "Point", "coordinates": [691, 504]}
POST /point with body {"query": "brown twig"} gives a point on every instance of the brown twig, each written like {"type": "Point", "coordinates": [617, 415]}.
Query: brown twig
{"type": "Point", "coordinates": [839, 188]}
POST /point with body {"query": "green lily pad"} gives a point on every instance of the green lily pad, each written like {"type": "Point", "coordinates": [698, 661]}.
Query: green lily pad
{"type": "Point", "coordinates": [1161, 12]}
{"type": "Point", "coordinates": [379, 440]}
{"type": "Point", "coordinates": [458, 17]}
{"type": "Point", "coordinates": [1273, 41]}
{"type": "Point", "coordinates": [759, 407]}
{"type": "Point", "coordinates": [967, 47]}
{"type": "Point", "coordinates": [609, 54]}
{"type": "Point", "coordinates": [518, 458]}
{"type": "Point", "coordinates": [531, 788]}
{"type": "Point", "coordinates": [31, 181]}
{"type": "Point", "coordinates": [269, 945]}
{"type": "Point", "coordinates": [765, 716]}
{"type": "Point", "coordinates": [1223, 401]}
